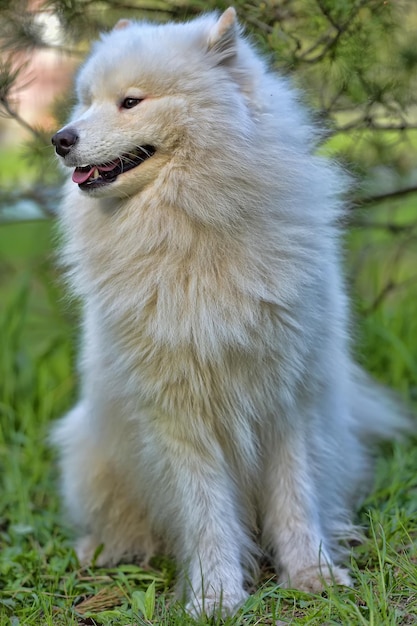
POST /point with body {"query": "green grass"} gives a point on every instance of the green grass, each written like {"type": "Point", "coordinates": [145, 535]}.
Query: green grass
{"type": "Point", "coordinates": [41, 582]}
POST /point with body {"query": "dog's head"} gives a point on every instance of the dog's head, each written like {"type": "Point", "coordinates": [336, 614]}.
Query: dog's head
{"type": "Point", "coordinates": [148, 95]}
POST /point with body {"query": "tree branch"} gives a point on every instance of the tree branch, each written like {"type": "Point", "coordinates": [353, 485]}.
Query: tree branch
{"type": "Point", "coordinates": [389, 195]}
{"type": "Point", "coordinates": [393, 228]}
{"type": "Point", "coordinates": [15, 115]}
{"type": "Point", "coordinates": [390, 287]}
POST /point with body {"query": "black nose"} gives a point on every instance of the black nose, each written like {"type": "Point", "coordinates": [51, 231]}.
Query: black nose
{"type": "Point", "coordinates": [64, 140]}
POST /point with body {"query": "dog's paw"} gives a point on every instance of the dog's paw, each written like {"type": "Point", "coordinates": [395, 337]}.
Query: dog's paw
{"type": "Point", "coordinates": [315, 579]}
{"type": "Point", "coordinates": [90, 551]}
{"type": "Point", "coordinates": [212, 605]}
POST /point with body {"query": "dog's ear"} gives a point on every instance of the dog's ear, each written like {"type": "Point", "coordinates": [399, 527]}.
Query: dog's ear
{"type": "Point", "coordinates": [123, 23]}
{"type": "Point", "coordinates": [222, 36]}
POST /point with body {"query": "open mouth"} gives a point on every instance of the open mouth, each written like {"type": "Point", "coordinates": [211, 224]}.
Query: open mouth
{"type": "Point", "coordinates": [93, 176]}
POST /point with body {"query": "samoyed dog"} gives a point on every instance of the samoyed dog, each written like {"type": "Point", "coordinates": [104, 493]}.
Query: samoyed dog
{"type": "Point", "coordinates": [220, 413]}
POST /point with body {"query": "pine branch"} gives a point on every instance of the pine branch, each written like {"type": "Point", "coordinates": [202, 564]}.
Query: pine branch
{"type": "Point", "coordinates": [11, 113]}
{"type": "Point", "coordinates": [8, 79]}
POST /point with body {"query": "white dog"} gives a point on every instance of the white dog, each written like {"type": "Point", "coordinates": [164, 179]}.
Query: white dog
{"type": "Point", "coordinates": [220, 411]}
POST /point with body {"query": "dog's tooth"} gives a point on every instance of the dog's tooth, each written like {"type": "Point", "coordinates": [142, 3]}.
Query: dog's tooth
{"type": "Point", "coordinates": [96, 174]}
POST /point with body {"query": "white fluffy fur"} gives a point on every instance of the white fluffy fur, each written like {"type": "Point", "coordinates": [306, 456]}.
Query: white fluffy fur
{"type": "Point", "coordinates": [219, 406]}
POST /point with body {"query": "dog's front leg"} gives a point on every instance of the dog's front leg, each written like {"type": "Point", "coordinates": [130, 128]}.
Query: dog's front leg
{"type": "Point", "coordinates": [292, 517]}
{"type": "Point", "coordinates": [194, 498]}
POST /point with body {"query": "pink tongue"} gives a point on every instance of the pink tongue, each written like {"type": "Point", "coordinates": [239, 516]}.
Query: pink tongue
{"type": "Point", "coordinates": [79, 176]}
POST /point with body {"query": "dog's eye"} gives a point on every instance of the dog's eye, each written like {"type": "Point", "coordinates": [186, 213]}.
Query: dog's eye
{"type": "Point", "coordinates": [129, 103]}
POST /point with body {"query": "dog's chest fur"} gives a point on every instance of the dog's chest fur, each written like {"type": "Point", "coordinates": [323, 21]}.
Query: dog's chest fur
{"type": "Point", "coordinates": [178, 305]}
